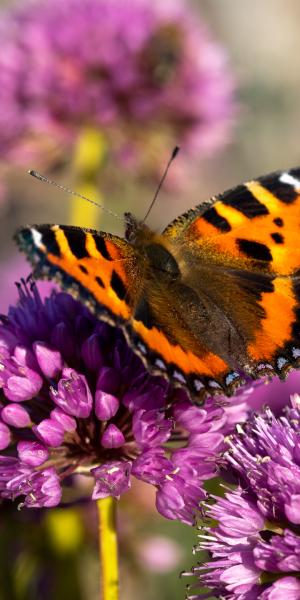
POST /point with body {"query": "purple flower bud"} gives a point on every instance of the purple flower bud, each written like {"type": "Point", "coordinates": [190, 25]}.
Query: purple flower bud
{"type": "Point", "coordinates": [40, 488]}
{"type": "Point", "coordinates": [168, 501]}
{"type": "Point", "coordinates": [193, 418]}
{"type": "Point", "coordinates": [63, 340]}
{"type": "Point", "coordinates": [50, 432]}
{"type": "Point", "coordinates": [15, 415]}
{"type": "Point", "coordinates": [151, 427]}
{"type": "Point", "coordinates": [287, 587]}
{"type": "Point", "coordinates": [91, 352]}
{"type": "Point", "coordinates": [4, 355]}
{"type": "Point", "coordinates": [49, 360]}
{"type": "Point", "coordinates": [179, 497]}
{"type": "Point", "coordinates": [67, 422]}
{"type": "Point", "coordinates": [23, 387]}
{"type": "Point", "coordinates": [24, 357]}
{"type": "Point", "coordinates": [8, 341]}
{"type": "Point", "coordinates": [282, 554]}
{"type": "Point", "coordinates": [31, 453]}
{"type": "Point", "coordinates": [47, 490]}
{"type": "Point", "coordinates": [146, 394]}
{"type": "Point", "coordinates": [108, 380]}
{"type": "Point", "coordinates": [134, 399]}
{"type": "Point", "coordinates": [73, 394]}
{"type": "Point", "coordinates": [10, 471]}
{"type": "Point", "coordinates": [4, 436]}
{"type": "Point", "coordinates": [19, 377]}
{"type": "Point", "coordinates": [152, 466]}
{"type": "Point", "coordinates": [83, 327]}
{"type": "Point", "coordinates": [112, 437]}
{"type": "Point", "coordinates": [106, 405]}
{"type": "Point", "coordinates": [292, 508]}
{"type": "Point", "coordinates": [112, 479]}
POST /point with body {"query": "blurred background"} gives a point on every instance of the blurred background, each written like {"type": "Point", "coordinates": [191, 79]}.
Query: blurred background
{"type": "Point", "coordinates": [226, 88]}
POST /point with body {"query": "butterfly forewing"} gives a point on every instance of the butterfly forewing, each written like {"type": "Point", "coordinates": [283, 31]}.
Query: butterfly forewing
{"type": "Point", "coordinates": [101, 269]}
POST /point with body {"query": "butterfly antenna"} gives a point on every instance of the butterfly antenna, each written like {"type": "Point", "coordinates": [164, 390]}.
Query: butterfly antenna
{"type": "Point", "coordinates": [68, 190]}
{"type": "Point", "coordinates": [173, 155]}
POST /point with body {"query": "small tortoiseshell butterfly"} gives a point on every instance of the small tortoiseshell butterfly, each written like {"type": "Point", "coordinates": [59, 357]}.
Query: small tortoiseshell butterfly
{"type": "Point", "coordinates": [215, 296]}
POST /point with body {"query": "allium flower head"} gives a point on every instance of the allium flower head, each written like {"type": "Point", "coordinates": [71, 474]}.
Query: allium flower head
{"type": "Point", "coordinates": [76, 400]}
{"type": "Point", "coordinates": [255, 546]}
{"type": "Point", "coordinates": [125, 67]}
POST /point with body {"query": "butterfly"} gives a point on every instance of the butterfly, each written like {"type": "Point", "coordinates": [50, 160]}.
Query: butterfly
{"type": "Point", "coordinates": [213, 298]}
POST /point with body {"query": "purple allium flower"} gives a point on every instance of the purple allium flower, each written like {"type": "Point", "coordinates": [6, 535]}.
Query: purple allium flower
{"type": "Point", "coordinates": [255, 546]}
{"type": "Point", "coordinates": [76, 400]}
{"type": "Point", "coordinates": [125, 68]}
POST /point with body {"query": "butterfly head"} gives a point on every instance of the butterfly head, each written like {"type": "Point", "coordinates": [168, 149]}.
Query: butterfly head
{"type": "Point", "coordinates": [134, 230]}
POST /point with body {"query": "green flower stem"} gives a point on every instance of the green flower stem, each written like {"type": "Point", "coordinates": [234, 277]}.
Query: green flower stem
{"type": "Point", "coordinates": [108, 549]}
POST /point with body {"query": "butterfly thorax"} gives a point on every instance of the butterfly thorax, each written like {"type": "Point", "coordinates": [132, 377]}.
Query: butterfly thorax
{"type": "Point", "coordinates": [152, 247]}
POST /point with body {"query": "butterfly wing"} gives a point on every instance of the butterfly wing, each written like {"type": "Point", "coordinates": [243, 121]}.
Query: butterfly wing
{"type": "Point", "coordinates": [164, 331]}
{"type": "Point", "coordinates": [98, 268]}
{"type": "Point", "coordinates": [257, 222]}
{"type": "Point", "coordinates": [243, 247]}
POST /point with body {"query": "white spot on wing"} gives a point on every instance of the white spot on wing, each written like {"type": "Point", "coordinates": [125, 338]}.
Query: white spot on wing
{"type": "Point", "coordinates": [290, 180]}
{"type": "Point", "coordinates": [263, 366]}
{"type": "Point", "coordinates": [37, 238]}
{"type": "Point", "coordinates": [281, 362]}
{"type": "Point", "coordinates": [198, 384]}
{"type": "Point", "coordinates": [142, 348]}
{"type": "Point", "coordinates": [179, 377]}
{"type": "Point", "coordinates": [296, 352]}
{"type": "Point", "coordinates": [214, 384]}
{"type": "Point", "coordinates": [160, 364]}
{"type": "Point", "coordinates": [231, 377]}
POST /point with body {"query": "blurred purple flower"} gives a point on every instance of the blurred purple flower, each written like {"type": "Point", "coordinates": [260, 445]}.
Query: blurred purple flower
{"type": "Point", "coordinates": [125, 68]}
{"type": "Point", "coordinates": [159, 554]}
{"type": "Point", "coordinates": [76, 400]}
{"type": "Point", "coordinates": [255, 546]}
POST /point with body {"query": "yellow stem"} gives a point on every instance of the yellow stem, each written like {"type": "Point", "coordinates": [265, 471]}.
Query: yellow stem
{"type": "Point", "coordinates": [108, 549]}
{"type": "Point", "coordinates": [88, 158]}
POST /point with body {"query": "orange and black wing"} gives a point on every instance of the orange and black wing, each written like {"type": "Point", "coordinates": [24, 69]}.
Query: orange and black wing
{"type": "Point", "coordinates": [98, 268]}
{"type": "Point", "coordinates": [103, 272]}
{"type": "Point", "coordinates": [247, 242]}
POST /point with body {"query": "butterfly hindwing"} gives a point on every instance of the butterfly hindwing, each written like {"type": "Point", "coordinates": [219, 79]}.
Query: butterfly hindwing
{"type": "Point", "coordinates": [250, 236]}
{"type": "Point", "coordinates": [101, 269]}
{"type": "Point", "coordinates": [163, 332]}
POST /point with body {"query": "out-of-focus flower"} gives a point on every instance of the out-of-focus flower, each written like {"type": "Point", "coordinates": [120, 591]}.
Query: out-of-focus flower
{"type": "Point", "coordinates": [255, 546]}
{"type": "Point", "coordinates": [125, 68]}
{"type": "Point", "coordinates": [76, 400]}
{"type": "Point", "coordinates": [159, 554]}
{"type": "Point", "coordinates": [275, 393]}
{"type": "Point", "coordinates": [3, 196]}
